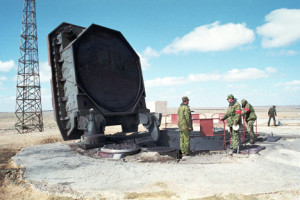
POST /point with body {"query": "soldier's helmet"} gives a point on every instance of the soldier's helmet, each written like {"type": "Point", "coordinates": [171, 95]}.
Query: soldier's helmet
{"type": "Point", "coordinates": [185, 98]}
{"type": "Point", "coordinates": [230, 97]}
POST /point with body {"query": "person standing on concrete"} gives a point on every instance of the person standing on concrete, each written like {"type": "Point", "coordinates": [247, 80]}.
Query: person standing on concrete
{"type": "Point", "coordinates": [185, 125]}
{"type": "Point", "coordinates": [272, 114]}
{"type": "Point", "coordinates": [249, 115]}
{"type": "Point", "coordinates": [233, 116]}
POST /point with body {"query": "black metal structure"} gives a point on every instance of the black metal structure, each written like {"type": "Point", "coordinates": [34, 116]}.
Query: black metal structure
{"type": "Point", "coordinates": [97, 81]}
{"type": "Point", "coordinates": [28, 96]}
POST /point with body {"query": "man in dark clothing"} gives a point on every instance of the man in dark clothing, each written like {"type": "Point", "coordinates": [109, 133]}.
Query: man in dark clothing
{"type": "Point", "coordinates": [272, 114]}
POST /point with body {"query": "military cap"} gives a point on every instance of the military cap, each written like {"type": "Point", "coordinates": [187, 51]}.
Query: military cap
{"type": "Point", "coordinates": [230, 97]}
{"type": "Point", "coordinates": [185, 98]}
{"type": "Point", "coordinates": [243, 101]}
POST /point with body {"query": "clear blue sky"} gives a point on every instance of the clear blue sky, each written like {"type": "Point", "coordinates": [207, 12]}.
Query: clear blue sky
{"type": "Point", "coordinates": [205, 49]}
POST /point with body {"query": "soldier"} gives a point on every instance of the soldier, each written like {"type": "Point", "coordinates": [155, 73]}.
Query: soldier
{"type": "Point", "coordinates": [272, 114]}
{"type": "Point", "coordinates": [249, 115]}
{"type": "Point", "coordinates": [185, 125]}
{"type": "Point", "coordinates": [233, 116]}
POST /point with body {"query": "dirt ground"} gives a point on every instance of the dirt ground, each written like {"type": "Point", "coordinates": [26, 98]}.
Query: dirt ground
{"type": "Point", "coordinates": [13, 187]}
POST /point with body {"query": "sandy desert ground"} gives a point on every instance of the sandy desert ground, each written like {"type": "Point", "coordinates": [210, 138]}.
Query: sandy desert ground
{"type": "Point", "coordinates": [272, 174]}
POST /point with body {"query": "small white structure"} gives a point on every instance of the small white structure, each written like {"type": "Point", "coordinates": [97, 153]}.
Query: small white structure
{"type": "Point", "coordinates": [158, 106]}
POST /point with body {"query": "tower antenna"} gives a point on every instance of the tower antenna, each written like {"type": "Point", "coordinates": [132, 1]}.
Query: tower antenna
{"type": "Point", "coordinates": [28, 96]}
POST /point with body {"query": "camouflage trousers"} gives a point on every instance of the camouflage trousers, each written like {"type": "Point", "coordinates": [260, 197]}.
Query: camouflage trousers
{"type": "Point", "coordinates": [250, 129]}
{"type": "Point", "coordinates": [235, 138]}
{"type": "Point", "coordinates": [185, 142]}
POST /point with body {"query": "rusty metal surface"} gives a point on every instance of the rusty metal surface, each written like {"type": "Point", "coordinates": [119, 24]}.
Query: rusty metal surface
{"type": "Point", "coordinates": [206, 127]}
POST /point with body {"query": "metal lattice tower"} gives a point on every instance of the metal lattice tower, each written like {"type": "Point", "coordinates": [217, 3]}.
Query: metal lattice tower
{"type": "Point", "coordinates": [28, 97]}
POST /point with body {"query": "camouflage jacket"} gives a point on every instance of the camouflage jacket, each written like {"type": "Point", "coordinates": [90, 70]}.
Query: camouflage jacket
{"type": "Point", "coordinates": [233, 114]}
{"type": "Point", "coordinates": [272, 112]}
{"type": "Point", "coordinates": [184, 118]}
{"type": "Point", "coordinates": [248, 112]}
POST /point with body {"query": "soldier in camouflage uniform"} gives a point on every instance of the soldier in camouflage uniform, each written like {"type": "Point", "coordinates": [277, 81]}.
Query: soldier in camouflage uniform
{"type": "Point", "coordinates": [249, 115]}
{"type": "Point", "coordinates": [233, 116]}
{"type": "Point", "coordinates": [185, 125]}
{"type": "Point", "coordinates": [272, 114]}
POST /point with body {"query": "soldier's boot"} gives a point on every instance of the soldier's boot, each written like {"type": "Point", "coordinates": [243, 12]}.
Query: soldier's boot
{"type": "Point", "coordinates": [179, 155]}
{"type": "Point", "coordinates": [234, 151]}
{"type": "Point", "coordinates": [252, 138]}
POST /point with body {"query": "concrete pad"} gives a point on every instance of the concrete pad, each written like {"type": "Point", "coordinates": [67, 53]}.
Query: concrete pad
{"type": "Point", "coordinates": [58, 169]}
